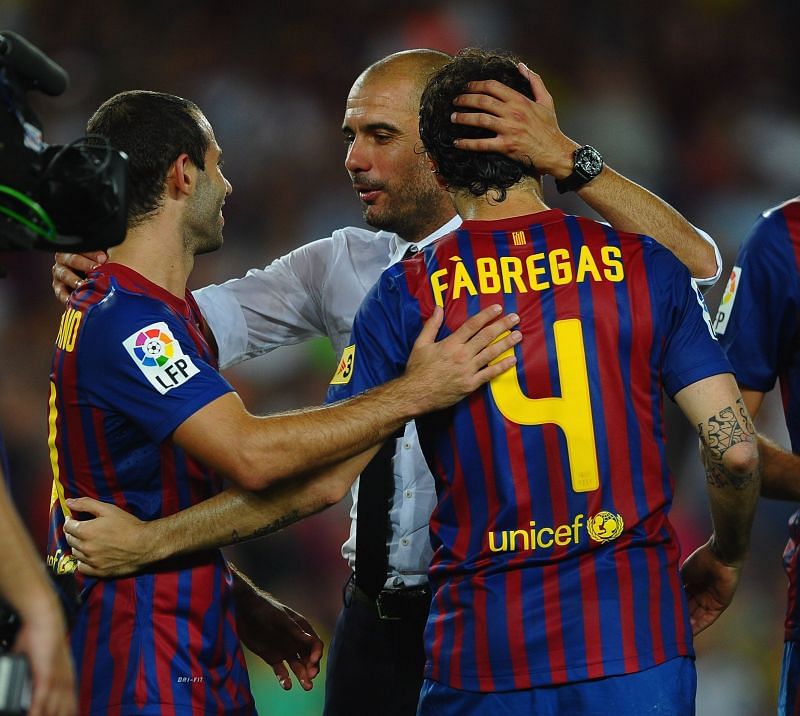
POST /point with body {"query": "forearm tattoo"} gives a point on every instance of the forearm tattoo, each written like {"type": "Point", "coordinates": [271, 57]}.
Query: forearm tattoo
{"type": "Point", "coordinates": [278, 524]}
{"type": "Point", "coordinates": [719, 433]}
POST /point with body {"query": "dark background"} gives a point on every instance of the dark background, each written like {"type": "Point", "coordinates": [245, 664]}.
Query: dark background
{"type": "Point", "coordinates": [697, 100]}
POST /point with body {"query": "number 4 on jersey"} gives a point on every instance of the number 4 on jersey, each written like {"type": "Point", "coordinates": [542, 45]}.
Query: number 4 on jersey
{"type": "Point", "coordinates": [572, 412]}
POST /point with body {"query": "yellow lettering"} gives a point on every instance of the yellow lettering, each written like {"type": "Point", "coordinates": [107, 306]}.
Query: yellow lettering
{"type": "Point", "coordinates": [586, 265]}
{"type": "Point", "coordinates": [541, 541]}
{"type": "Point", "coordinates": [488, 279]}
{"type": "Point", "coordinates": [511, 270]}
{"type": "Point", "coordinates": [438, 285]}
{"type": "Point", "coordinates": [576, 525]}
{"type": "Point", "coordinates": [572, 412]}
{"type": "Point", "coordinates": [535, 271]}
{"type": "Point", "coordinates": [68, 329]}
{"type": "Point", "coordinates": [560, 266]}
{"type": "Point", "coordinates": [563, 535]}
{"type": "Point", "coordinates": [462, 279]}
{"type": "Point", "coordinates": [513, 539]}
{"type": "Point", "coordinates": [614, 270]}
{"type": "Point", "coordinates": [503, 547]}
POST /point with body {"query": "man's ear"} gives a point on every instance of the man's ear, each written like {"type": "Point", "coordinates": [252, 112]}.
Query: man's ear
{"type": "Point", "coordinates": [182, 176]}
{"type": "Point", "coordinates": [435, 171]}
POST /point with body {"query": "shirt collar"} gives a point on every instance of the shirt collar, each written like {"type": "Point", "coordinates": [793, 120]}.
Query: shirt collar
{"type": "Point", "coordinates": [401, 245]}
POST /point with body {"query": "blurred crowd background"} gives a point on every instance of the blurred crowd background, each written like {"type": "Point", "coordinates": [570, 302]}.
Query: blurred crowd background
{"type": "Point", "coordinates": [696, 99]}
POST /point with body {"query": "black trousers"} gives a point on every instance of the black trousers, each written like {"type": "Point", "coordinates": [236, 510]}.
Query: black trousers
{"type": "Point", "coordinates": [374, 665]}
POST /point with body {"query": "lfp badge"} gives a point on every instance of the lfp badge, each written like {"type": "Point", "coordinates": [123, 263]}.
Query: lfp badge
{"type": "Point", "coordinates": [160, 357]}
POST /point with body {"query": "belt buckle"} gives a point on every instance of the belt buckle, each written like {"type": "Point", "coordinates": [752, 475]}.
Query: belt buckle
{"type": "Point", "coordinates": [381, 607]}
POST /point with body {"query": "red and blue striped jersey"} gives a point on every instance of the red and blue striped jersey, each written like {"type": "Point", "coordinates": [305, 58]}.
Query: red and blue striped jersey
{"type": "Point", "coordinates": [758, 324]}
{"type": "Point", "coordinates": [130, 365]}
{"type": "Point", "coordinates": [554, 560]}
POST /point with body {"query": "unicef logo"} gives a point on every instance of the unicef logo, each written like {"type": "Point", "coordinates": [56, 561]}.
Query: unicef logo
{"type": "Point", "coordinates": [153, 347]}
{"type": "Point", "coordinates": [605, 526]}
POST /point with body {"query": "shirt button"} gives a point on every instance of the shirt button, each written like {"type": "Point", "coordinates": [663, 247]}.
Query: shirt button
{"type": "Point", "coordinates": [409, 494]}
{"type": "Point", "coordinates": [404, 541]}
{"type": "Point", "coordinates": [407, 446]}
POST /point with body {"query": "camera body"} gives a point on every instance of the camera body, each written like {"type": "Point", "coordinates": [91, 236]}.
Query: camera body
{"type": "Point", "coordinates": [60, 197]}
{"type": "Point", "coordinates": [15, 675]}
{"type": "Point", "coordinates": [15, 685]}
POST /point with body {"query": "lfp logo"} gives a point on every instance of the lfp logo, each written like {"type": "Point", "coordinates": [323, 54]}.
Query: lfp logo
{"type": "Point", "coordinates": [160, 357]}
{"type": "Point", "coordinates": [153, 347]}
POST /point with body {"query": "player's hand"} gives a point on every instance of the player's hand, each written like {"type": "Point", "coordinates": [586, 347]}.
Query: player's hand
{"type": "Point", "coordinates": [42, 638]}
{"type": "Point", "coordinates": [70, 270]}
{"type": "Point", "coordinates": [709, 584]}
{"type": "Point", "coordinates": [113, 544]}
{"type": "Point", "coordinates": [526, 131]}
{"type": "Point", "coordinates": [279, 635]}
{"type": "Point", "coordinates": [440, 373]}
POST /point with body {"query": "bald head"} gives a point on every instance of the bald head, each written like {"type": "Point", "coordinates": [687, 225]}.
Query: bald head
{"type": "Point", "coordinates": [409, 66]}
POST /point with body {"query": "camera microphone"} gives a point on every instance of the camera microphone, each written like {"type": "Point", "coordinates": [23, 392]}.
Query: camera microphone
{"type": "Point", "coordinates": [32, 64]}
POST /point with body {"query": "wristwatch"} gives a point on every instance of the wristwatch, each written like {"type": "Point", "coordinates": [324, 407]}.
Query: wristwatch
{"type": "Point", "coordinates": [587, 164]}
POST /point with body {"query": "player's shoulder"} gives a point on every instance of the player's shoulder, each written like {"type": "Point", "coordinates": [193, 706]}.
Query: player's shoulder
{"type": "Point", "coordinates": [349, 245]}
{"type": "Point", "coordinates": [776, 225]}
{"type": "Point", "coordinates": [112, 311]}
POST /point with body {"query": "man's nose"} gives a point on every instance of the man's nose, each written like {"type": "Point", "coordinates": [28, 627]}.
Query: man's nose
{"type": "Point", "coordinates": [357, 159]}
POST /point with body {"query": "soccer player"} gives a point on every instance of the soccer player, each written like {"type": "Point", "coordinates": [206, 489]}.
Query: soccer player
{"type": "Point", "coordinates": [555, 572]}
{"type": "Point", "coordinates": [140, 417]}
{"type": "Point", "coordinates": [375, 664]}
{"type": "Point", "coordinates": [757, 324]}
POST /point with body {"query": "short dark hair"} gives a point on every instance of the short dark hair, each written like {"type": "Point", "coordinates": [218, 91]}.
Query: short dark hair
{"type": "Point", "coordinates": [477, 172]}
{"type": "Point", "coordinates": [153, 129]}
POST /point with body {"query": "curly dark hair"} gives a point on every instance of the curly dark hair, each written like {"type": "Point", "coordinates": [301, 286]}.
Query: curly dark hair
{"type": "Point", "coordinates": [477, 172]}
{"type": "Point", "coordinates": [153, 129]}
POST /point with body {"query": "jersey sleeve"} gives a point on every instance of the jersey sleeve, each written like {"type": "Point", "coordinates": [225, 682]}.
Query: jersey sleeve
{"type": "Point", "coordinates": [267, 308]}
{"type": "Point", "coordinates": [384, 331]}
{"type": "Point", "coordinates": [755, 321]}
{"type": "Point", "coordinates": [140, 362]}
{"type": "Point", "coordinates": [710, 280]}
{"type": "Point", "coordinates": [690, 351]}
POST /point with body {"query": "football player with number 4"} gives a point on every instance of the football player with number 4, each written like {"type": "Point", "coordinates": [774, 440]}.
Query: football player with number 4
{"type": "Point", "coordinates": [555, 577]}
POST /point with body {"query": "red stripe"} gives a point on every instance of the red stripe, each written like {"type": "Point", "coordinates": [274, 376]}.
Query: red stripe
{"type": "Point", "coordinates": [121, 625]}
{"type": "Point", "coordinates": [89, 657]}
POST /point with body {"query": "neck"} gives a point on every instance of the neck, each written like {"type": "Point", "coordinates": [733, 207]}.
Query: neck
{"type": "Point", "coordinates": [521, 199]}
{"type": "Point", "coordinates": [155, 249]}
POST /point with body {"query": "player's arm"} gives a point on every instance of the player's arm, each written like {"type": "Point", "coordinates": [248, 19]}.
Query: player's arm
{"type": "Point", "coordinates": [780, 468]}
{"type": "Point", "coordinates": [114, 543]}
{"type": "Point", "coordinates": [255, 452]}
{"type": "Point", "coordinates": [730, 458]}
{"type": "Point", "coordinates": [276, 633]}
{"type": "Point", "coordinates": [43, 636]}
{"type": "Point", "coordinates": [528, 132]}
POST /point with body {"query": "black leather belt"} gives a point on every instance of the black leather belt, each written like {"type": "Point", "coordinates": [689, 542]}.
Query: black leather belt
{"type": "Point", "coordinates": [405, 603]}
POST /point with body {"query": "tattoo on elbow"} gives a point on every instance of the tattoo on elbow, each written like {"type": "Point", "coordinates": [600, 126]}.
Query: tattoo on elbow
{"type": "Point", "coordinates": [719, 433]}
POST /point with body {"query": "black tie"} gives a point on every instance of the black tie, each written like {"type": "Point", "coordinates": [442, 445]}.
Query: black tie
{"type": "Point", "coordinates": [375, 492]}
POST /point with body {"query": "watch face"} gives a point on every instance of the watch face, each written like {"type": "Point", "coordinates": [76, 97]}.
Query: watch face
{"type": "Point", "coordinates": [588, 161]}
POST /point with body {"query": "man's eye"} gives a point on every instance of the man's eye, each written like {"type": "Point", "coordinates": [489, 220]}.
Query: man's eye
{"type": "Point", "coordinates": [348, 139]}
